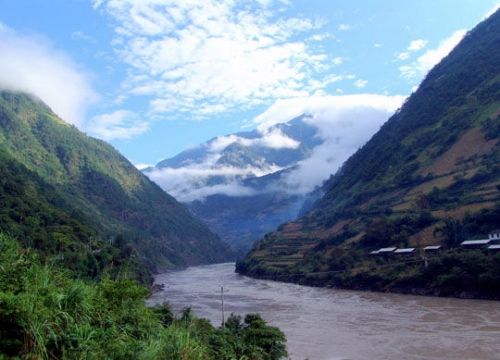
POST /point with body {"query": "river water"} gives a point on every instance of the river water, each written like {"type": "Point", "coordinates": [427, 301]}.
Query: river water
{"type": "Point", "coordinates": [324, 324]}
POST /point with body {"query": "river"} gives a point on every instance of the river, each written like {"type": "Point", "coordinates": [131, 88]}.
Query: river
{"type": "Point", "coordinates": [325, 324]}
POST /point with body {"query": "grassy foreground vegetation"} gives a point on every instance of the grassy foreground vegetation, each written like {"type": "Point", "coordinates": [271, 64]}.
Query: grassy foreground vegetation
{"type": "Point", "coordinates": [45, 313]}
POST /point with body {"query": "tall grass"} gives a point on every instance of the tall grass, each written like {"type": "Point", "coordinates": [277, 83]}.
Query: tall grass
{"type": "Point", "coordinates": [47, 314]}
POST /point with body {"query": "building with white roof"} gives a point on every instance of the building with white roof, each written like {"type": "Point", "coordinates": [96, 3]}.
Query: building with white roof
{"type": "Point", "coordinates": [405, 251]}
{"type": "Point", "coordinates": [475, 243]}
{"type": "Point", "coordinates": [494, 235]}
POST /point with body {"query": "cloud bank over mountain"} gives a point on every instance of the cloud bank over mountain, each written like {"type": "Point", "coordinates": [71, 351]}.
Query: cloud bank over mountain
{"type": "Point", "coordinates": [304, 139]}
{"type": "Point", "coordinates": [345, 123]}
{"type": "Point", "coordinates": [30, 63]}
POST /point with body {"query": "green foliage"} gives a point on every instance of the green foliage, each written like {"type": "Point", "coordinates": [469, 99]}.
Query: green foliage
{"type": "Point", "coordinates": [470, 227]}
{"type": "Point", "coordinates": [384, 231]}
{"type": "Point", "coordinates": [491, 128]}
{"type": "Point", "coordinates": [249, 339]}
{"type": "Point", "coordinates": [473, 273]}
{"type": "Point", "coordinates": [47, 314]}
{"type": "Point", "coordinates": [69, 196]}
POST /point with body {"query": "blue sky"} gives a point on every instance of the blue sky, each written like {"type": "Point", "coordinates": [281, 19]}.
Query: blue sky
{"type": "Point", "coordinates": [154, 77]}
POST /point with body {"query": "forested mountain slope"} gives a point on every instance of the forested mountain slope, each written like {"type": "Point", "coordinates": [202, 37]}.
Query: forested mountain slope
{"type": "Point", "coordinates": [79, 202]}
{"type": "Point", "coordinates": [429, 176]}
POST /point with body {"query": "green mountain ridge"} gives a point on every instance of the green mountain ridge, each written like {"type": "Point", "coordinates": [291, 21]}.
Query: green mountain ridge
{"type": "Point", "coordinates": [430, 176]}
{"type": "Point", "coordinates": [77, 200]}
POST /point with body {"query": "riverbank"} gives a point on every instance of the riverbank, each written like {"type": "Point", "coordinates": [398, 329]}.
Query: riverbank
{"type": "Point", "coordinates": [326, 324]}
{"type": "Point", "coordinates": [473, 274]}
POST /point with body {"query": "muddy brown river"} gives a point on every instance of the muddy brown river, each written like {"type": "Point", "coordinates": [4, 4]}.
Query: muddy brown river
{"type": "Point", "coordinates": [324, 324]}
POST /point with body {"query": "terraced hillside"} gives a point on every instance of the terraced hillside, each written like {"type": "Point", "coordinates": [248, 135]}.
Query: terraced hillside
{"type": "Point", "coordinates": [431, 175]}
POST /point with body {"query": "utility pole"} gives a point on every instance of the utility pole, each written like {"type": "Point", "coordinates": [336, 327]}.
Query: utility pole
{"type": "Point", "coordinates": [222, 307]}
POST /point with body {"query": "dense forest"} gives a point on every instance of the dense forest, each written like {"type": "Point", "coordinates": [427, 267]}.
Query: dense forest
{"type": "Point", "coordinates": [79, 202]}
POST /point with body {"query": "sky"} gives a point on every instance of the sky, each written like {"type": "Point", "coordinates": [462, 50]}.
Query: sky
{"type": "Point", "coordinates": [155, 77]}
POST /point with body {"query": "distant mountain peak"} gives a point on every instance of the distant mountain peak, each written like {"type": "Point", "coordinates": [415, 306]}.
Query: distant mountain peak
{"type": "Point", "coordinates": [245, 184]}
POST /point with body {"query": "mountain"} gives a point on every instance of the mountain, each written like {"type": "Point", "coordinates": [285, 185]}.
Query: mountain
{"type": "Point", "coordinates": [233, 182]}
{"type": "Point", "coordinates": [244, 185]}
{"type": "Point", "coordinates": [429, 176]}
{"type": "Point", "coordinates": [78, 201]}
{"type": "Point", "coordinates": [240, 220]}
{"type": "Point", "coordinates": [273, 146]}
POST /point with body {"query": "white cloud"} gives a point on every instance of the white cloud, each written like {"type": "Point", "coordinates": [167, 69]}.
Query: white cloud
{"type": "Point", "coordinates": [119, 124]}
{"type": "Point", "coordinates": [210, 56]}
{"type": "Point", "coordinates": [344, 27]}
{"type": "Point", "coordinates": [284, 110]}
{"type": "Point", "coordinates": [416, 45]}
{"type": "Point", "coordinates": [275, 139]}
{"type": "Point", "coordinates": [269, 138]}
{"type": "Point", "coordinates": [425, 62]}
{"type": "Point", "coordinates": [222, 142]}
{"type": "Point", "coordinates": [142, 166]}
{"type": "Point", "coordinates": [491, 11]}
{"type": "Point", "coordinates": [403, 55]}
{"type": "Point", "coordinates": [360, 83]}
{"type": "Point", "coordinates": [31, 64]}
{"type": "Point", "coordinates": [337, 60]}
{"type": "Point", "coordinates": [322, 36]}
{"type": "Point", "coordinates": [190, 182]}
{"type": "Point", "coordinates": [230, 189]}
{"type": "Point", "coordinates": [345, 123]}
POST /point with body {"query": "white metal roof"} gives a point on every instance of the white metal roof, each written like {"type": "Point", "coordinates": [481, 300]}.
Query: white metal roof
{"type": "Point", "coordinates": [432, 247]}
{"type": "Point", "coordinates": [476, 242]}
{"type": "Point", "coordinates": [404, 251]}
{"type": "Point", "coordinates": [387, 249]}
{"type": "Point", "coordinates": [494, 247]}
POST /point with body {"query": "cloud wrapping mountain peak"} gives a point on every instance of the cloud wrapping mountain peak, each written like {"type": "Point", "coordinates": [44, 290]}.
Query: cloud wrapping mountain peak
{"type": "Point", "coordinates": [302, 141]}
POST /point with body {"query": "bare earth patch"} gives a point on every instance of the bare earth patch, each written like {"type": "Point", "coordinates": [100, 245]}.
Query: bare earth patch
{"type": "Point", "coordinates": [471, 143]}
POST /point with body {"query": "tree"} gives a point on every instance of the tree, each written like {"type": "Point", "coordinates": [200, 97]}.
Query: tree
{"type": "Point", "coordinates": [264, 340]}
{"type": "Point", "coordinates": [452, 230]}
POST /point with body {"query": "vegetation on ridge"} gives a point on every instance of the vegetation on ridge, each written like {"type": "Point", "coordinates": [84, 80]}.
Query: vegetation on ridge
{"type": "Point", "coordinates": [79, 202]}
{"type": "Point", "coordinates": [429, 176]}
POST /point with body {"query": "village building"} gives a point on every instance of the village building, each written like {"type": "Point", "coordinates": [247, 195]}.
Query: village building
{"type": "Point", "coordinates": [432, 248]}
{"type": "Point", "coordinates": [495, 247]}
{"type": "Point", "coordinates": [493, 238]}
{"type": "Point", "coordinates": [475, 243]}
{"type": "Point", "coordinates": [386, 251]}
{"type": "Point", "coordinates": [405, 251]}
{"type": "Point", "coordinates": [494, 235]}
